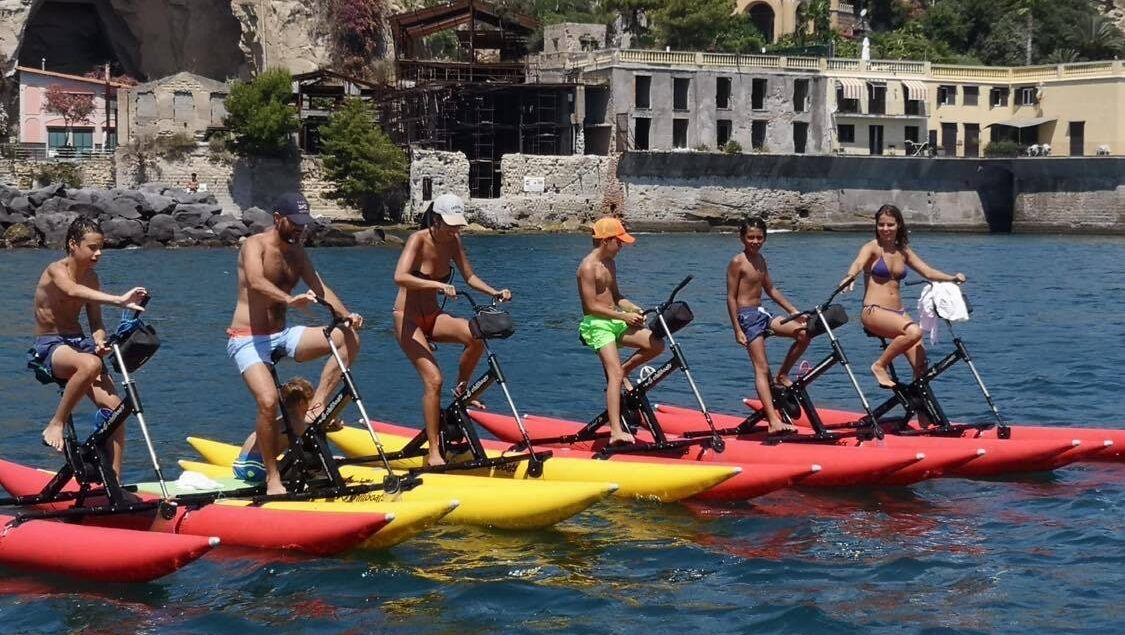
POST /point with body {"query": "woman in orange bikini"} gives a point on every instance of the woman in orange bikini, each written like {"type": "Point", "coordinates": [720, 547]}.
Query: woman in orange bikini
{"type": "Point", "coordinates": [883, 262]}
{"type": "Point", "coordinates": [424, 270]}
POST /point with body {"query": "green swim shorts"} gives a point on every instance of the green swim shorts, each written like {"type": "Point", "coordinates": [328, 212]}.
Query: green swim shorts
{"type": "Point", "coordinates": [596, 332]}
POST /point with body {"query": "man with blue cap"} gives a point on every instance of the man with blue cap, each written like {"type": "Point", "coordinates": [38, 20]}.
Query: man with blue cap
{"type": "Point", "coordinates": [270, 265]}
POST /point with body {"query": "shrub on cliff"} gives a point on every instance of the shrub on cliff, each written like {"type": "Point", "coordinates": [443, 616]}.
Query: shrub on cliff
{"type": "Point", "coordinates": [359, 159]}
{"type": "Point", "coordinates": [260, 116]}
{"type": "Point", "coordinates": [51, 173]}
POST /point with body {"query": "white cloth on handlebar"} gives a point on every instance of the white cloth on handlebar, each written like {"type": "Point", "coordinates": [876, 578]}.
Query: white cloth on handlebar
{"type": "Point", "coordinates": [940, 301]}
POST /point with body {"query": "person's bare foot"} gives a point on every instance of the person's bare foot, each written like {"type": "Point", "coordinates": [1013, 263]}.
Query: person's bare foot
{"type": "Point", "coordinates": [53, 435]}
{"type": "Point", "coordinates": [623, 438]}
{"type": "Point", "coordinates": [780, 427]}
{"type": "Point", "coordinates": [882, 376]}
{"type": "Point", "coordinates": [434, 459]}
{"type": "Point", "coordinates": [783, 381]}
{"type": "Point", "coordinates": [460, 389]}
{"type": "Point", "coordinates": [274, 486]}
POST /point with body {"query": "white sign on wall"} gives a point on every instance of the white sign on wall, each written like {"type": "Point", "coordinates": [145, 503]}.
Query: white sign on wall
{"type": "Point", "coordinates": [533, 184]}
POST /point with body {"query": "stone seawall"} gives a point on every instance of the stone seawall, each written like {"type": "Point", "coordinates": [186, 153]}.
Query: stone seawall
{"type": "Point", "coordinates": [697, 191]}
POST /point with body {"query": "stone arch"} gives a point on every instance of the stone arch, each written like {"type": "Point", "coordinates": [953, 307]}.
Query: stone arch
{"type": "Point", "coordinates": [768, 16]}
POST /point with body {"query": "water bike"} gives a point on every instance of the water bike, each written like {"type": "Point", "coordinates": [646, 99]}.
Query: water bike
{"type": "Point", "coordinates": [989, 454]}
{"type": "Point", "coordinates": [310, 470]}
{"type": "Point", "coordinates": [866, 465]}
{"type": "Point", "coordinates": [467, 453]}
{"type": "Point", "coordinates": [87, 490]}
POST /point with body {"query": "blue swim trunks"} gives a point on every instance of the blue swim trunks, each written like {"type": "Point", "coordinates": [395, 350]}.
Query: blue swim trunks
{"type": "Point", "coordinates": [39, 355]}
{"type": "Point", "coordinates": [249, 467]}
{"type": "Point", "coordinates": [247, 350]}
{"type": "Point", "coordinates": [754, 322]}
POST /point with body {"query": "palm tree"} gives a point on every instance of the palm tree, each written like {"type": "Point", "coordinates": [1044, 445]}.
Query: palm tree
{"type": "Point", "coordinates": [1027, 8]}
{"type": "Point", "coordinates": [1098, 38]}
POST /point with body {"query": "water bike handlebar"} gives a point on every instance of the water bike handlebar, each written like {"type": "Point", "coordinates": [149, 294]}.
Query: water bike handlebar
{"type": "Point", "coordinates": [496, 299]}
{"type": "Point", "coordinates": [337, 319]}
{"type": "Point", "coordinates": [671, 297]}
{"type": "Point", "coordinates": [120, 333]}
{"type": "Point", "coordinates": [824, 305]}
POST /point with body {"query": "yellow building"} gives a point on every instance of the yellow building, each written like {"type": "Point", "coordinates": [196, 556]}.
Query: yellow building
{"type": "Point", "coordinates": [778, 18]}
{"type": "Point", "coordinates": [903, 107]}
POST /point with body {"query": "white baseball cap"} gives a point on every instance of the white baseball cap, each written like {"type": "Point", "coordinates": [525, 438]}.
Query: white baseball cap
{"type": "Point", "coordinates": [451, 209]}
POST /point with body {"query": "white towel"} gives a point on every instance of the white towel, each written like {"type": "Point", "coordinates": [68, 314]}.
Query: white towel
{"type": "Point", "coordinates": [195, 481]}
{"type": "Point", "coordinates": [940, 301]}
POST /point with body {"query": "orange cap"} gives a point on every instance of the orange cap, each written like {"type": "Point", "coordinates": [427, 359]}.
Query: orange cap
{"type": "Point", "coordinates": [612, 228]}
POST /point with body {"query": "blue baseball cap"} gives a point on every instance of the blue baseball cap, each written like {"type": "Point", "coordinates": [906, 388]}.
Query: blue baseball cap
{"type": "Point", "coordinates": [295, 207]}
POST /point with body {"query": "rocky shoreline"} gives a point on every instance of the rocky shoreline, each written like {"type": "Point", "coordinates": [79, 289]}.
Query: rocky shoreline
{"type": "Point", "coordinates": [153, 215]}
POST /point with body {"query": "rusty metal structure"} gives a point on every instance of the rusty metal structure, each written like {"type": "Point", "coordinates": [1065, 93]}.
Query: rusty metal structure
{"type": "Point", "coordinates": [479, 104]}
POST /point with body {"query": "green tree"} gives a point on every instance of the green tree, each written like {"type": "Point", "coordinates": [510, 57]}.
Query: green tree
{"type": "Point", "coordinates": [706, 25]}
{"type": "Point", "coordinates": [910, 43]}
{"type": "Point", "coordinates": [359, 159]}
{"type": "Point", "coordinates": [259, 114]}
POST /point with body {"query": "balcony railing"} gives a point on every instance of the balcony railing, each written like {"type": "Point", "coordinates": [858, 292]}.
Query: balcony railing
{"type": "Point", "coordinates": [921, 70]}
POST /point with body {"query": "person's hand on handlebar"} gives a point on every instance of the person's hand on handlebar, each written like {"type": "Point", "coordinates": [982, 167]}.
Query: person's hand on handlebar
{"type": "Point", "coordinates": [848, 283]}
{"type": "Point", "coordinates": [503, 295]}
{"type": "Point", "coordinates": [959, 278]}
{"type": "Point", "coordinates": [131, 299]}
{"type": "Point", "coordinates": [633, 318]}
{"type": "Point", "coordinates": [355, 320]}
{"type": "Point", "coordinates": [448, 290]}
{"type": "Point", "coordinates": [301, 301]}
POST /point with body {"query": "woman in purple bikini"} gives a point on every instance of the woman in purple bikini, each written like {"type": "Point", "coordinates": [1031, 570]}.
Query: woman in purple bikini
{"type": "Point", "coordinates": [883, 262]}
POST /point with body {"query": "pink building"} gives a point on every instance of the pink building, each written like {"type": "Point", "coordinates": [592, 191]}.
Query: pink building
{"type": "Point", "coordinates": [44, 132]}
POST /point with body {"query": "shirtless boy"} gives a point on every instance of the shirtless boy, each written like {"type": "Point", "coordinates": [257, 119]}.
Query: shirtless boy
{"type": "Point", "coordinates": [747, 278]}
{"type": "Point", "coordinates": [609, 319]}
{"type": "Point", "coordinates": [270, 265]}
{"type": "Point", "coordinates": [66, 287]}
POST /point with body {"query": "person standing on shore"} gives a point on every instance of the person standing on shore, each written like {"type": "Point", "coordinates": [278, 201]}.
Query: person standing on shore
{"type": "Point", "coordinates": [610, 319]}
{"type": "Point", "coordinates": [883, 262]}
{"type": "Point", "coordinates": [270, 265]}
{"type": "Point", "coordinates": [425, 269]}
{"type": "Point", "coordinates": [747, 278]}
{"type": "Point", "coordinates": [62, 352]}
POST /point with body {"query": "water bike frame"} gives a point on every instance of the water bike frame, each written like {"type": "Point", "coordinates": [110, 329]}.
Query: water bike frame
{"type": "Point", "coordinates": [637, 410]}
{"type": "Point", "coordinates": [308, 468]}
{"type": "Point", "coordinates": [457, 431]}
{"type": "Point", "coordinates": [917, 397]}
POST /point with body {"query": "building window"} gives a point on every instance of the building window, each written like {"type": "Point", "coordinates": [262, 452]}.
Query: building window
{"type": "Point", "coordinates": [641, 91]}
{"type": "Point", "coordinates": [723, 129]}
{"type": "Point", "coordinates": [56, 137]}
{"type": "Point", "coordinates": [1027, 96]}
{"type": "Point", "coordinates": [679, 133]}
{"type": "Point", "coordinates": [83, 139]}
{"type": "Point", "coordinates": [970, 95]}
{"type": "Point", "coordinates": [146, 106]}
{"type": "Point", "coordinates": [845, 132]}
{"type": "Point", "coordinates": [218, 108]}
{"type": "Point", "coordinates": [911, 134]}
{"type": "Point", "coordinates": [800, 136]}
{"type": "Point", "coordinates": [758, 94]}
{"type": "Point", "coordinates": [183, 107]}
{"type": "Point", "coordinates": [876, 99]}
{"type": "Point", "coordinates": [758, 134]}
{"type": "Point", "coordinates": [722, 92]}
{"type": "Point", "coordinates": [947, 95]}
{"type": "Point", "coordinates": [110, 139]}
{"type": "Point", "coordinates": [998, 97]}
{"type": "Point", "coordinates": [640, 133]}
{"type": "Point", "coordinates": [680, 93]}
{"type": "Point", "coordinates": [800, 95]}
{"type": "Point", "coordinates": [914, 107]}
{"type": "Point", "coordinates": [845, 106]}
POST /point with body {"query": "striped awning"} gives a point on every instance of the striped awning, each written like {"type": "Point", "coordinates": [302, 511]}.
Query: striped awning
{"type": "Point", "coordinates": [853, 88]}
{"type": "Point", "coordinates": [915, 90]}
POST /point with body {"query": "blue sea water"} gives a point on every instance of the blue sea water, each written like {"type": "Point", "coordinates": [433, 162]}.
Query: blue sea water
{"type": "Point", "coordinates": [1041, 553]}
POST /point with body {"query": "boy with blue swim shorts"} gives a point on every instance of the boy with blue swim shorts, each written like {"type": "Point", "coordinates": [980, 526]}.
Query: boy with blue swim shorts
{"type": "Point", "coordinates": [610, 320]}
{"type": "Point", "coordinates": [61, 352]}
{"type": "Point", "coordinates": [296, 395]}
{"type": "Point", "coordinates": [747, 278]}
{"type": "Point", "coordinates": [270, 265]}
